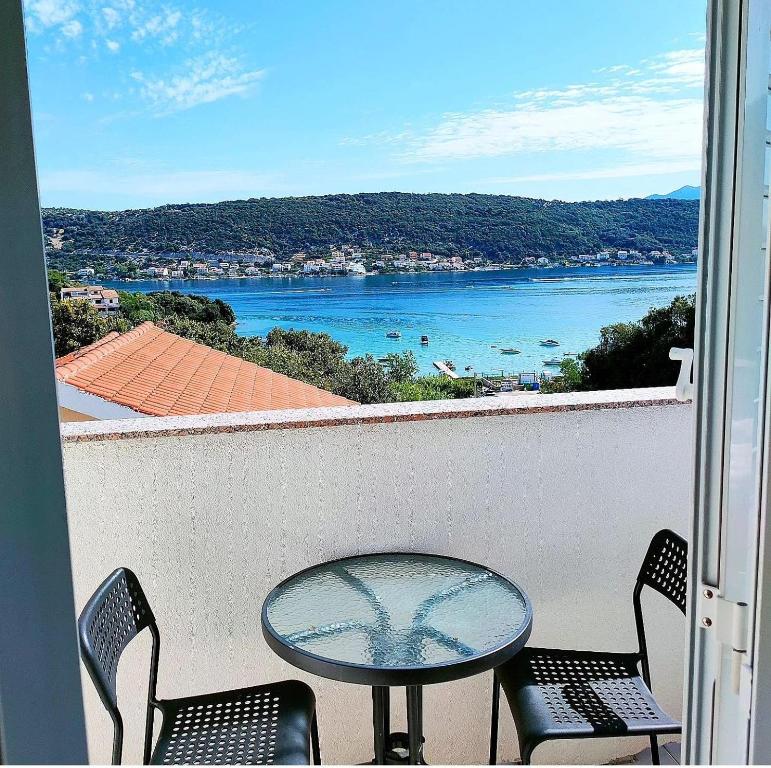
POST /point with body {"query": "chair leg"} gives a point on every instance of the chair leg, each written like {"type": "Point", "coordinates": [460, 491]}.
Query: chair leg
{"type": "Point", "coordinates": [526, 751]}
{"type": "Point", "coordinates": [494, 720]}
{"type": "Point", "coordinates": [655, 760]}
{"type": "Point", "coordinates": [315, 740]}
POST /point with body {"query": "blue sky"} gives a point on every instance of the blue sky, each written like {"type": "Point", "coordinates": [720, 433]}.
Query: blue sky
{"type": "Point", "coordinates": [139, 103]}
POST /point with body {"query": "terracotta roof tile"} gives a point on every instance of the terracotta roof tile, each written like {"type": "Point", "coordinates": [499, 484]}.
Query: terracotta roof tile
{"type": "Point", "coordinates": [158, 373]}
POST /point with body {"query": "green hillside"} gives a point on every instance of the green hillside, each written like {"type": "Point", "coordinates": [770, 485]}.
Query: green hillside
{"type": "Point", "coordinates": [496, 227]}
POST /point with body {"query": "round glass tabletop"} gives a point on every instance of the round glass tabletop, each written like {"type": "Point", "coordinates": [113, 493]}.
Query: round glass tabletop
{"type": "Point", "coordinates": [396, 619]}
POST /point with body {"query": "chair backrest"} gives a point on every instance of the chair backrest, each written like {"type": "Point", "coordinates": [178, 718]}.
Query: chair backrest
{"type": "Point", "coordinates": [665, 569]}
{"type": "Point", "coordinates": [116, 613]}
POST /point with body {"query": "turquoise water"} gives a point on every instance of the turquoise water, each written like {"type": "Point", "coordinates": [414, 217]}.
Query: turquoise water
{"type": "Point", "coordinates": [463, 313]}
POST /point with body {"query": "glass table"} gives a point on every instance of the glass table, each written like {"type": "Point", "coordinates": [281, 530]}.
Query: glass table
{"type": "Point", "coordinates": [401, 619]}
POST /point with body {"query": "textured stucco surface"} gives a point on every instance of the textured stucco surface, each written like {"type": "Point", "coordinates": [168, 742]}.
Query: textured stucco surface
{"type": "Point", "coordinates": [563, 501]}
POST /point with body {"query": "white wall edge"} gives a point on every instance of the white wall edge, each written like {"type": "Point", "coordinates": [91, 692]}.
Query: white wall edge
{"type": "Point", "coordinates": [90, 405]}
{"type": "Point", "coordinates": [164, 426]}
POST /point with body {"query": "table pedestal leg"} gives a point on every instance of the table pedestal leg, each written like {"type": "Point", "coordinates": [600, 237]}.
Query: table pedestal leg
{"type": "Point", "coordinates": [415, 723]}
{"type": "Point", "coordinates": [397, 748]}
{"type": "Point", "coordinates": [381, 721]}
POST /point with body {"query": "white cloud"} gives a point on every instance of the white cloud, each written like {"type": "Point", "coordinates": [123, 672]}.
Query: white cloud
{"type": "Point", "coordinates": [685, 67]}
{"type": "Point", "coordinates": [661, 129]}
{"type": "Point", "coordinates": [72, 28]}
{"type": "Point", "coordinates": [111, 17]}
{"type": "Point", "coordinates": [112, 45]}
{"type": "Point", "coordinates": [87, 96]}
{"type": "Point", "coordinates": [162, 26]}
{"type": "Point", "coordinates": [650, 113]}
{"type": "Point", "coordinates": [208, 78]}
{"type": "Point", "coordinates": [51, 13]}
{"type": "Point", "coordinates": [141, 22]}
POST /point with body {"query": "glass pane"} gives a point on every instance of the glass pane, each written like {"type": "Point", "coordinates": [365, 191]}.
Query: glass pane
{"type": "Point", "coordinates": [398, 610]}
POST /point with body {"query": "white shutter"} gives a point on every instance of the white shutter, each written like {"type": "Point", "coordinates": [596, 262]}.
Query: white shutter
{"type": "Point", "coordinates": [730, 386]}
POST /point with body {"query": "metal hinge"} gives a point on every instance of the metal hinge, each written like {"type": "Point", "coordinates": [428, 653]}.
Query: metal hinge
{"type": "Point", "coordinates": [730, 621]}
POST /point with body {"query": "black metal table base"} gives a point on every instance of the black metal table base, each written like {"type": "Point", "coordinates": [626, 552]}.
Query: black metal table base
{"type": "Point", "coordinates": [398, 748]}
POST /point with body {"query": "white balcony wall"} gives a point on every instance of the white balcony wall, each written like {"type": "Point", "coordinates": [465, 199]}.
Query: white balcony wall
{"type": "Point", "coordinates": [562, 501]}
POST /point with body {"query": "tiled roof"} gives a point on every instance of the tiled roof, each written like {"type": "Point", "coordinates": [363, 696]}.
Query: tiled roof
{"type": "Point", "coordinates": [161, 374]}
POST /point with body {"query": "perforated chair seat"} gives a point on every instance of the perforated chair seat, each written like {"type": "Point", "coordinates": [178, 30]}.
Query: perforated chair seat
{"type": "Point", "coordinates": [264, 725]}
{"type": "Point", "coordinates": [562, 694]}
{"type": "Point", "coordinates": [260, 725]}
{"type": "Point", "coordinates": [557, 694]}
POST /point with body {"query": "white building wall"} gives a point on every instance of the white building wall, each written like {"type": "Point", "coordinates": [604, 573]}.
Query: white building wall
{"type": "Point", "coordinates": [564, 502]}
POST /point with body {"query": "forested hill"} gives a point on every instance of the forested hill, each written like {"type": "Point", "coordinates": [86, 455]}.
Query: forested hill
{"type": "Point", "coordinates": [497, 227]}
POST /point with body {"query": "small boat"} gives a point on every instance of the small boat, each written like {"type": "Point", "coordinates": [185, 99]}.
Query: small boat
{"type": "Point", "coordinates": [450, 364]}
{"type": "Point", "coordinates": [383, 360]}
{"type": "Point", "coordinates": [509, 351]}
{"type": "Point", "coordinates": [469, 368]}
{"type": "Point", "coordinates": [550, 343]}
{"type": "Point", "coordinates": [424, 339]}
{"type": "Point", "coordinates": [394, 334]}
{"type": "Point", "coordinates": [553, 361]}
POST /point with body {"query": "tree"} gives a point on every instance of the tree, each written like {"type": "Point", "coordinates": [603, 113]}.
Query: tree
{"type": "Point", "coordinates": [570, 378]}
{"type": "Point", "coordinates": [137, 307]}
{"type": "Point", "coordinates": [140, 307]}
{"type": "Point", "coordinates": [363, 380]}
{"type": "Point", "coordinates": [431, 388]}
{"type": "Point", "coordinates": [400, 367]}
{"type": "Point", "coordinates": [637, 354]}
{"type": "Point", "coordinates": [56, 281]}
{"type": "Point", "coordinates": [76, 323]}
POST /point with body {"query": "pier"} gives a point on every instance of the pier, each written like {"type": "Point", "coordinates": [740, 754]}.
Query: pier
{"type": "Point", "coordinates": [441, 366]}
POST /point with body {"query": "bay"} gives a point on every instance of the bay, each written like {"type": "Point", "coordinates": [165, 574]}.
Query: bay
{"type": "Point", "coordinates": [463, 313]}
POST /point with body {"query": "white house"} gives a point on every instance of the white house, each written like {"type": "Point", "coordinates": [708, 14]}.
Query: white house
{"type": "Point", "coordinates": [105, 300]}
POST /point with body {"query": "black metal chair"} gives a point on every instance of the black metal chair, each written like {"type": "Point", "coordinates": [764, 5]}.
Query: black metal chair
{"type": "Point", "coordinates": [267, 724]}
{"type": "Point", "coordinates": [556, 694]}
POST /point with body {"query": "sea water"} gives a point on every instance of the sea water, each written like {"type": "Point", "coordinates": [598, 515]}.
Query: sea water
{"type": "Point", "coordinates": [468, 316]}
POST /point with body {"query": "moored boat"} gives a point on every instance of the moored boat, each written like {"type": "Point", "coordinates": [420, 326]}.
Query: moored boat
{"type": "Point", "coordinates": [549, 343]}
{"type": "Point", "coordinates": [394, 334]}
{"type": "Point", "coordinates": [424, 339]}
{"type": "Point", "coordinates": [553, 361]}
{"type": "Point", "coordinates": [509, 351]}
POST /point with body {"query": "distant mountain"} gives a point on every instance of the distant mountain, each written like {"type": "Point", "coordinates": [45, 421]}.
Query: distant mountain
{"type": "Point", "coordinates": [684, 193]}
{"type": "Point", "coordinates": [496, 227]}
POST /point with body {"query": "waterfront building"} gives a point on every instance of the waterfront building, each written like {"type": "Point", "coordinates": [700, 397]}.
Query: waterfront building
{"type": "Point", "coordinates": [105, 300]}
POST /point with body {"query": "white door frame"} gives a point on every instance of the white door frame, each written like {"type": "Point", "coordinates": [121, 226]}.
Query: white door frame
{"type": "Point", "coordinates": [730, 387]}
{"type": "Point", "coordinates": [41, 707]}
